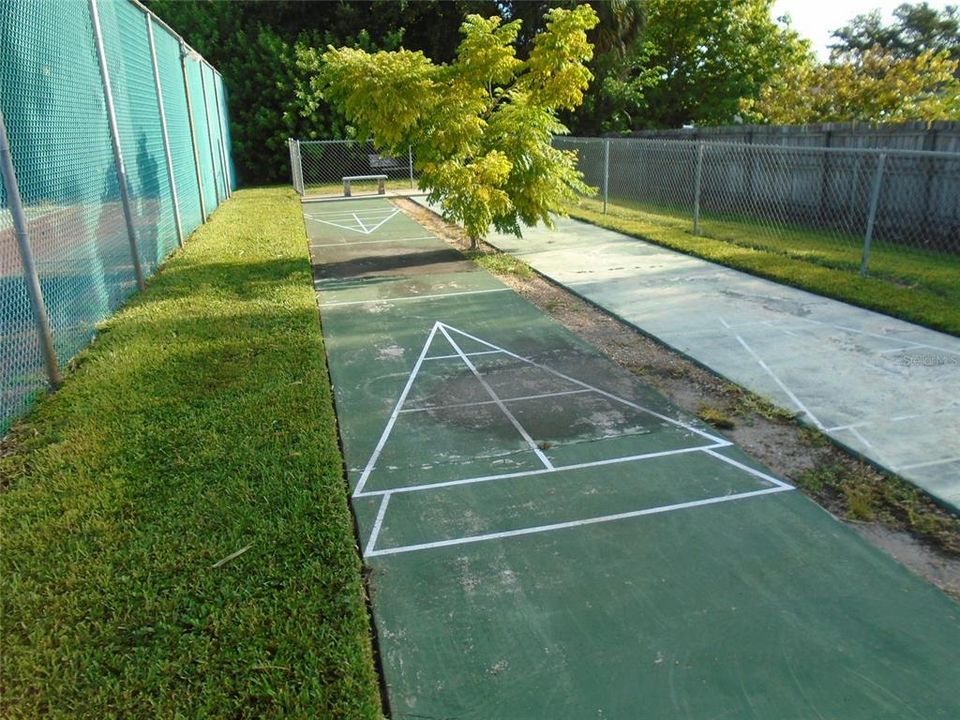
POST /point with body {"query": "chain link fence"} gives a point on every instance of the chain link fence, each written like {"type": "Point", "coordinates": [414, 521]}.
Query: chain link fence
{"type": "Point", "coordinates": [318, 167]}
{"type": "Point", "coordinates": [866, 210]}
{"type": "Point", "coordinates": [114, 145]}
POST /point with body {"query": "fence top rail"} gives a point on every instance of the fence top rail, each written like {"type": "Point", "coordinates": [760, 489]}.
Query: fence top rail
{"type": "Point", "coordinates": [347, 141]}
{"type": "Point", "coordinates": [941, 154]}
{"type": "Point", "coordinates": [153, 16]}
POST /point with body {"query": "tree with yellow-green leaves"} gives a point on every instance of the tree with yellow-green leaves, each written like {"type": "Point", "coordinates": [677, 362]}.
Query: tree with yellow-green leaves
{"type": "Point", "coordinates": [480, 126]}
{"type": "Point", "coordinates": [874, 85]}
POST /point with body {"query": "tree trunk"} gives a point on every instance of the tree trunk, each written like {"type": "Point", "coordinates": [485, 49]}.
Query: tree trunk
{"type": "Point", "coordinates": [474, 243]}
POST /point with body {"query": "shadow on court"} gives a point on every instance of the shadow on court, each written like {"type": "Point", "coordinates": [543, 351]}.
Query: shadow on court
{"type": "Point", "coordinates": [387, 261]}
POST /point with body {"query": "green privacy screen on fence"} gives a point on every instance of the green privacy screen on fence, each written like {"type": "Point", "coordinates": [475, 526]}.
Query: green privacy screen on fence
{"type": "Point", "coordinates": [70, 220]}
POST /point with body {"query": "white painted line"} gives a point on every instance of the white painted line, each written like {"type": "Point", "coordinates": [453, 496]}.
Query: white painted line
{"type": "Point", "coordinates": [574, 523]}
{"type": "Point", "coordinates": [451, 357]}
{"type": "Point", "coordinates": [347, 215]}
{"type": "Point", "coordinates": [348, 243]}
{"type": "Point", "coordinates": [499, 403]}
{"type": "Point", "coordinates": [912, 343]}
{"type": "Point", "coordinates": [778, 381]}
{"type": "Point", "coordinates": [379, 208]}
{"type": "Point", "coordinates": [409, 297]}
{"type": "Point", "coordinates": [378, 523]}
{"type": "Point", "coordinates": [520, 398]}
{"type": "Point", "coordinates": [395, 414]}
{"type": "Point", "coordinates": [847, 427]}
{"type": "Point", "coordinates": [363, 230]}
{"type": "Point", "coordinates": [342, 227]}
{"type": "Point", "coordinates": [895, 418]}
{"type": "Point", "coordinates": [377, 226]}
{"type": "Point", "coordinates": [896, 350]}
{"type": "Point", "coordinates": [929, 463]}
{"type": "Point", "coordinates": [748, 469]}
{"type": "Point", "coordinates": [785, 331]}
{"type": "Point", "coordinates": [949, 408]}
{"type": "Point", "coordinates": [751, 323]}
{"type": "Point", "coordinates": [859, 436]}
{"type": "Point", "coordinates": [611, 396]}
{"type": "Point", "coordinates": [530, 473]}
{"type": "Point", "coordinates": [938, 349]}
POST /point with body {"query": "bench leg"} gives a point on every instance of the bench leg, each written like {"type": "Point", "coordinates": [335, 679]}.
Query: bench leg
{"type": "Point", "coordinates": [381, 189]}
{"type": "Point", "coordinates": [346, 188]}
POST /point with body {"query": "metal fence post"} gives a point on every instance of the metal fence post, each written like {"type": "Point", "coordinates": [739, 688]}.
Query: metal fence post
{"type": "Point", "coordinates": [206, 114]}
{"type": "Point", "coordinates": [184, 57]}
{"type": "Point", "coordinates": [30, 277]}
{"type": "Point", "coordinates": [410, 161]}
{"type": "Point", "coordinates": [220, 149]}
{"type": "Point", "coordinates": [303, 189]}
{"type": "Point", "coordinates": [296, 166]}
{"type": "Point", "coordinates": [223, 135]}
{"type": "Point", "coordinates": [293, 168]}
{"type": "Point", "coordinates": [697, 181]}
{"type": "Point", "coordinates": [115, 137]}
{"type": "Point", "coordinates": [872, 211]}
{"type": "Point", "coordinates": [606, 173]}
{"type": "Point", "coordinates": [163, 131]}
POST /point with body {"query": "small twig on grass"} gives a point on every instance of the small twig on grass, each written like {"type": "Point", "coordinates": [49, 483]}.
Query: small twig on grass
{"type": "Point", "coordinates": [230, 557]}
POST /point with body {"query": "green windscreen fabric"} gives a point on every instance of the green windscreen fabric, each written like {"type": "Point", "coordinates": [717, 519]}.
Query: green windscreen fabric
{"type": "Point", "coordinates": [222, 98]}
{"type": "Point", "coordinates": [57, 125]}
{"type": "Point", "coordinates": [213, 121]}
{"type": "Point", "coordinates": [201, 135]}
{"type": "Point", "coordinates": [20, 351]}
{"type": "Point", "coordinates": [124, 30]}
{"type": "Point", "coordinates": [54, 108]}
{"type": "Point", "coordinates": [178, 128]}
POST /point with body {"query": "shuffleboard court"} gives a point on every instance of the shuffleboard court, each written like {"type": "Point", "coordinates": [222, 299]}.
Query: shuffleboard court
{"type": "Point", "coordinates": [549, 538]}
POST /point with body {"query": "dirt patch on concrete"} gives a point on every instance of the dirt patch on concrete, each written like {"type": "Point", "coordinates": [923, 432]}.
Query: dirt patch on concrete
{"type": "Point", "coordinates": [885, 510]}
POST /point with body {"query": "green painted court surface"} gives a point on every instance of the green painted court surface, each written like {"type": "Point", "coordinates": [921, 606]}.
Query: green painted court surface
{"type": "Point", "coordinates": [549, 538]}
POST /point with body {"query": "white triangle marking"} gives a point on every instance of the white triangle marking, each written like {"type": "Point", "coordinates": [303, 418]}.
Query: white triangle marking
{"type": "Point", "coordinates": [499, 403]}
{"type": "Point", "coordinates": [363, 229]}
{"type": "Point", "coordinates": [391, 215]}
{"type": "Point", "coordinates": [342, 227]}
{"type": "Point", "coordinates": [611, 396]}
{"type": "Point", "coordinates": [446, 331]}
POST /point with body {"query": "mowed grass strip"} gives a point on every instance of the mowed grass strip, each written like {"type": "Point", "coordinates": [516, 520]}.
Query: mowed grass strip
{"type": "Point", "coordinates": [198, 424]}
{"type": "Point", "coordinates": [914, 285]}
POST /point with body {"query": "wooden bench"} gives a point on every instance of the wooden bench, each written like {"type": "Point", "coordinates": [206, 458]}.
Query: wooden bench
{"type": "Point", "coordinates": [381, 180]}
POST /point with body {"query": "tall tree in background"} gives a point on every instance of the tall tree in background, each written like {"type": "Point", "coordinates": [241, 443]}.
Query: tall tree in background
{"type": "Point", "coordinates": [916, 29]}
{"type": "Point", "coordinates": [689, 62]}
{"type": "Point", "coordinates": [908, 70]}
{"type": "Point", "coordinates": [871, 86]}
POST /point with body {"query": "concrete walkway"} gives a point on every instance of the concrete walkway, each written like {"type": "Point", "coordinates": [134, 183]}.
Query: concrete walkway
{"type": "Point", "coordinates": [887, 389]}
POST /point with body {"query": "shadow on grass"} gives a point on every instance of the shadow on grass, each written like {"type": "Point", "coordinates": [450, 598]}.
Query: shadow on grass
{"type": "Point", "coordinates": [200, 423]}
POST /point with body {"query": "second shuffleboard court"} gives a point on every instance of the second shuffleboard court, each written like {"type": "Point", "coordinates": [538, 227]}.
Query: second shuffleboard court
{"type": "Point", "coordinates": [549, 538]}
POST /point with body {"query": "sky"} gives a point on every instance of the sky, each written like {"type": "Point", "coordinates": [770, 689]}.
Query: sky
{"type": "Point", "coordinates": [816, 19]}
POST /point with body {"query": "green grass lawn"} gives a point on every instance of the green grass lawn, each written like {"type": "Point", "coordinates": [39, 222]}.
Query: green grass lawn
{"type": "Point", "coordinates": [199, 423]}
{"type": "Point", "coordinates": [916, 285]}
